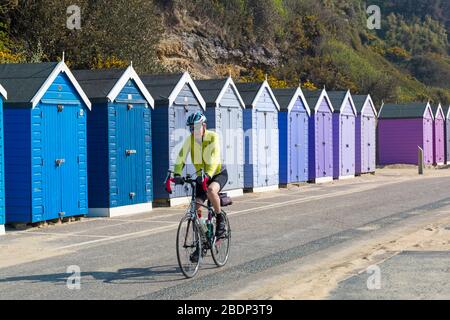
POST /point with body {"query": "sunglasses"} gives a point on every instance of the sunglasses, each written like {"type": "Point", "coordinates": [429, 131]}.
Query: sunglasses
{"type": "Point", "coordinates": [194, 128]}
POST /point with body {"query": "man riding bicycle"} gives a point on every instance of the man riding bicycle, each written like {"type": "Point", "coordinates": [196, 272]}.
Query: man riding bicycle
{"type": "Point", "coordinates": [204, 146]}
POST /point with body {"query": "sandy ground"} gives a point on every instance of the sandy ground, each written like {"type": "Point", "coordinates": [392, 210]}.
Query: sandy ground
{"type": "Point", "coordinates": [317, 279]}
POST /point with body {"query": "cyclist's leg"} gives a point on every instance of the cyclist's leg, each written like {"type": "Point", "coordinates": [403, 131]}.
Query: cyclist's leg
{"type": "Point", "coordinates": [213, 195]}
{"type": "Point", "coordinates": [198, 204]}
{"type": "Point", "coordinates": [218, 182]}
{"type": "Point", "coordinates": [200, 198]}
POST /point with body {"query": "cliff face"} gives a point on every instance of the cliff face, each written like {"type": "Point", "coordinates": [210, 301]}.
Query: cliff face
{"type": "Point", "coordinates": [200, 48]}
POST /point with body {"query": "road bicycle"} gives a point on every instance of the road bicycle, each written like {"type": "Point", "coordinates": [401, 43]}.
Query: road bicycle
{"type": "Point", "coordinates": [194, 238]}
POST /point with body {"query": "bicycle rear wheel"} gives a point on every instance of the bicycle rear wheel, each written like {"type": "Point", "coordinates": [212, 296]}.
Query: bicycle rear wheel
{"type": "Point", "coordinates": [221, 247]}
{"type": "Point", "coordinates": [188, 241]}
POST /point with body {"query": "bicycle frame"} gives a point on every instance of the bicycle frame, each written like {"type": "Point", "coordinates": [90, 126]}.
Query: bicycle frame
{"type": "Point", "coordinates": [202, 240]}
{"type": "Point", "coordinates": [192, 212]}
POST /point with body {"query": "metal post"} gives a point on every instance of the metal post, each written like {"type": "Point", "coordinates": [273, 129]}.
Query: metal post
{"type": "Point", "coordinates": [420, 160]}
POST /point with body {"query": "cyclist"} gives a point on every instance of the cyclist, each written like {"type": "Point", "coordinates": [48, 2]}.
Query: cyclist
{"type": "Point", "coordinates": [204, 147]}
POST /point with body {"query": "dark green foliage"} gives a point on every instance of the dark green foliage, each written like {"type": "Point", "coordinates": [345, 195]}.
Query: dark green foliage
{"type": "Point", "coordinates": [321, 43]}
{"type": "Point", "coordinates": [124, 30]}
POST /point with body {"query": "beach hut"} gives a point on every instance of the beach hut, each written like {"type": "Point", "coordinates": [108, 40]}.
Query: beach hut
{"type": "Point", "coordinates": [402, 129]}
{"type": "Point", "coordinates": [344, 124]}
{"type": "Point", "coordinates": [261, 171]}
{"type": "Point", "coordinates": [320, 136]}
{"type": "Point", "coordinates": [438, 135]}
{"type": "Point", "coordinates": [224, 111]}
{"type": "Point", "coordinates": [293, 123]}
{"type": "Point", "coordinates": [366, 124]}
{"type": "Point", "coordinates": [3, 96]}
{"type": "Point", "coordinates": [447, 134]}
{"type": "Point", "coordinates": [119, 142]}
{"type": "Point", "coordinates": [45, 142]}
{"type": "Point", "coordinates": [176, 97]}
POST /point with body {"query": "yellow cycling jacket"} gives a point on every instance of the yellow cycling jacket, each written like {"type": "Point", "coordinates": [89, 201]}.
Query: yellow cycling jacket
{"type": "Point", "coordinates": [205, 156]}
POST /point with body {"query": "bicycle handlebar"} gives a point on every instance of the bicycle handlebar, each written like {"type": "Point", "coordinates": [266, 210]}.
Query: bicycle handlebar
{"type": "Point", "coordinates": [169, 179]}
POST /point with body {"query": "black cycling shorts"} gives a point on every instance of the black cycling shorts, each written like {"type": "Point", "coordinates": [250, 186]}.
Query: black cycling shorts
{"type": "Point", "coordinates": [221, 179]}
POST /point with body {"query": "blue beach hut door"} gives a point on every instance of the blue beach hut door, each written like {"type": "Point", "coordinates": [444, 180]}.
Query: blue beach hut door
{"type": "Point", "coordinates": [262, 141]}
{"type": "Point", "coordinates": [294, 132]}
{"type": "Point", "coordinates": [130, 157]}
{"type": "Point", "coordinates": [60, 146]}
{"type": "Point", "coordinates": [265, 139]}
{"type": "Point", "coordinates": [230, 123]}
{"type": "Point", "coordinates": [181, 113]}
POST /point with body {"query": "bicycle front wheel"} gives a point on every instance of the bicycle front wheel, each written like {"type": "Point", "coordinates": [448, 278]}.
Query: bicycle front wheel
{"type": "Point", "coordinates": [221, 246]}
{"type": "Point", "coordinates": [189, 247]}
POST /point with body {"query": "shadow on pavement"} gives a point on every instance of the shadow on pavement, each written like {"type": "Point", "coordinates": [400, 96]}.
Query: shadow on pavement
{"type": "Point", "coordinates": [129, 275]}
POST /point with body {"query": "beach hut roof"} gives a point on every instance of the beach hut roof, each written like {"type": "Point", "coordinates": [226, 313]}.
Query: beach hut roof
{"type": "Point", "coordinates": [314, 98]}
{"type": "Point", "coordinates": [3, 92]}
{"type": "Point", "coordinates": [101, 85]}
{"type": "Point", "coordinates": [287, 97]}
{"type": "Point", "coordinates": [165, 88]}
{"type": "Point", "coordinates": [338, 99]}
{"type": "Point", "coordinates": [251, 91]}
{"type": "Point", "coordinates": [26, 83]}
{"type": "Point", "coordinates": [213, 90]}
{"type": "Point", "coordinates": [404, 111]}
{"type": "Point", "coordinates": [437, 108]}
{"type": "Point", "coordinates": [361, 103]}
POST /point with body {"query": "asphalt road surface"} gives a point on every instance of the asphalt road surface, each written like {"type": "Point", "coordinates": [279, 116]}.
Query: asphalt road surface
{"type": "Point", "coordinates": [134, 257]}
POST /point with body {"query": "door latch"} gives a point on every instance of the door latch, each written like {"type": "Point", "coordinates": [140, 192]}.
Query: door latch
{"type": "Point", "coordinates": [130, 152]}
{"type": "Point", "coordinates": [59, 162]}
{"type": "Point", "coordinates": [132, 195]}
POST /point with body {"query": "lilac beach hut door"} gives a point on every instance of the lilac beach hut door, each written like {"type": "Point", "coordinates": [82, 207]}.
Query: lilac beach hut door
{"type": "Point", "coordinates": [439, 135]}
{"type": "Point", "coordinates": [428, 128]}
{"type": "Point", "coordinates": [320, 137]}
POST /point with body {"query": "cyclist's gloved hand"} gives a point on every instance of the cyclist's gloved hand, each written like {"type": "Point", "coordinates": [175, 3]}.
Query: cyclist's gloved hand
{"type": "Point", "coordinates": [177, 179]}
